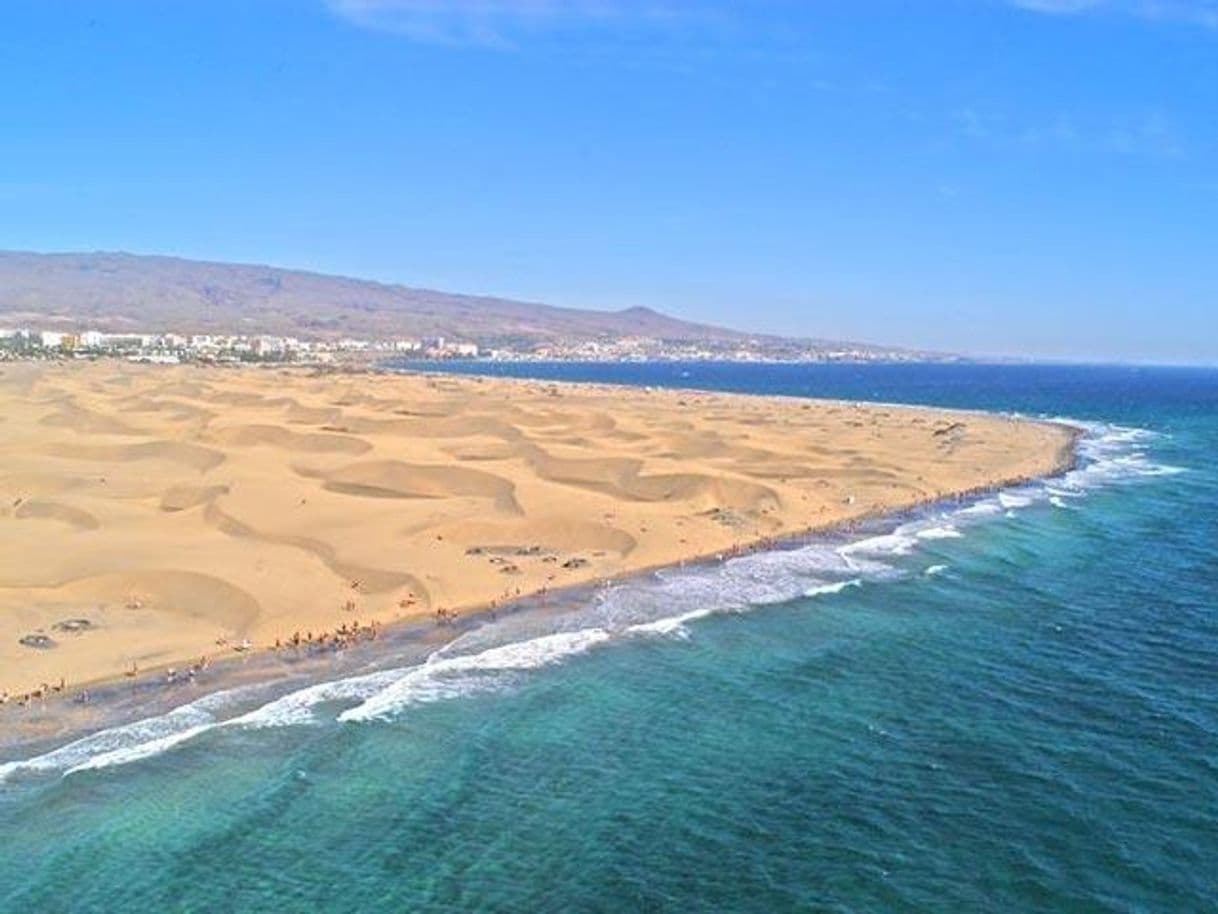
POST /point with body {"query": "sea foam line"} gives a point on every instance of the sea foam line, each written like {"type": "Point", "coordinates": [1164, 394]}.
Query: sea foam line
{"type": "Point", "coordinates": [447, 677]}
{"type": "Point", "coordinates": [1108, 455]}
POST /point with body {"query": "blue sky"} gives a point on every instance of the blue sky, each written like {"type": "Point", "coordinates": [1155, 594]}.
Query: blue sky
{"type": "Point", "coordinates": [990, 176]}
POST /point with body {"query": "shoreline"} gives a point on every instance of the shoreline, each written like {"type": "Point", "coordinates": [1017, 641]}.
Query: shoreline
{"type": "Point", "coordinates": [116, 700]}
{"type": "Point", "coordinates": [1067, 460]}
{"type": "Point", "coordinates": [782, 417]}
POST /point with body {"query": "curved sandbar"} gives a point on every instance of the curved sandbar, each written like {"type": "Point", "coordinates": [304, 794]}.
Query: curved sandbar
{"type": "Point", "coordinates": [182, 511]}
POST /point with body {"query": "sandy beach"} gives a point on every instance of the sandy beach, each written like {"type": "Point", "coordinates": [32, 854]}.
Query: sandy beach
{"type": "Point", "coordinates": [151, 516]}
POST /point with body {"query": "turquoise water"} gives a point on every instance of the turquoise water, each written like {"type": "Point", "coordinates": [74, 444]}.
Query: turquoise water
{"type": "Point", "coordinates": [1009, 705]}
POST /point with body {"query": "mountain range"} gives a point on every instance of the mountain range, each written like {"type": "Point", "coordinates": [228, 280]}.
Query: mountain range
{"type": "Point", "coordinates": [117, 292]}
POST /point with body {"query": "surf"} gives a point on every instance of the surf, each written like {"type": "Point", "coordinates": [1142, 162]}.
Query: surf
{"type": "Point", "coordinates": [665, 605]}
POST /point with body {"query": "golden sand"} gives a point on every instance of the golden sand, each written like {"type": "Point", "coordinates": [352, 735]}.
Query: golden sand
{"type": "Point", "coordinates": [152, 515]}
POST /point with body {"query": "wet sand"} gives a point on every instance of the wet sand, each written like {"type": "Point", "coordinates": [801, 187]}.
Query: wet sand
{"type": "Point", "coordinates": [154, 516]}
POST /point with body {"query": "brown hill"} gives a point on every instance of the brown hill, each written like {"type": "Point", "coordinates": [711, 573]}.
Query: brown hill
{"type": "Point", "coordinates": [116, 291]}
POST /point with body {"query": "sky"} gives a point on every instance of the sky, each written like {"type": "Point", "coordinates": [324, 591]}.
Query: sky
{"type": "Point", "coordinates": [994, 177]}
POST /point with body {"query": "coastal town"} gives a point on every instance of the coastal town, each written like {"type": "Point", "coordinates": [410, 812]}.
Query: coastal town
{"type": "Point", "coordinates": [32, 343]}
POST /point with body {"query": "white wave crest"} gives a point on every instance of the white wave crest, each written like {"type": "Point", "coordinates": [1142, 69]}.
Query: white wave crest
{"type": "Point", "coordinates": [188, 718]}
{"type": "Point", "coordinates": [1111, 454]}
{"type": "Point", "coordinates": [1108, 455]}
{"type": "Point", "coordinates": [670, 625]}
{"type": "Point", "coordinates": [835, 587]}
{"type": "Point", "coordinates": [447, 677]}
{"type": "Point", "coordinates": [134, 753]}
{"type": "Point", "coordinates": [986, 508]}
{"type": "Point", "coordinates": [298, 707]}
{"type": "Point", "coordinates": [945, 532]}
{"type": "Point", "coordinates": [885, 544]}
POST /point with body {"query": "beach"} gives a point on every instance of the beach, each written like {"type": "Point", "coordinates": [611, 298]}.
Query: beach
{"type": "Point", "coordinates": [840, 717]}
{"type": "Point", "coordinates": [158, 518]}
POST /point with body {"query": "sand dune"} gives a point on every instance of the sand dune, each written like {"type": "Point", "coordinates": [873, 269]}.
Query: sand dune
{"type": "Point", "coordinates": [193, 456]}
{"type": "Point", "coordinates": [299, 414]}
{"type": "Point", "coordinates": [183, 593]}
{"type": "Point", "coordinates": [170, 512]}
{"type": "Point", "coordinates": [277, 436]}
{"type": "Point", "coordinates": [490, 450]}
{"type": "Point", "coordinates": [369, 579]}
{"type": "Point", "coordinates": [395, 479]}
{"type": "Point", "coordinates": [50, 510]}
{"type": "Point", "coordinates": [38, 483]}
{"type": "Point", "coordinates": [552, 534]}
{"type": "Point", "coordinates": [174, 411]}
{"type": "Point", "coordinates": [183, 497]}
{"type": "Point", "coordinates": [84, 420]}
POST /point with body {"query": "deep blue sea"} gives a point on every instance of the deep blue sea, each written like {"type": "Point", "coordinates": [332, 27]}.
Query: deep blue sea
{"type": "Point", "coordinates": [1009, 705]}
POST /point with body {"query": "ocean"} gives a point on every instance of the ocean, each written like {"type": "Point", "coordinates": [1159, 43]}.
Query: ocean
{"type": "Point", "coordinates": [1008, 704]}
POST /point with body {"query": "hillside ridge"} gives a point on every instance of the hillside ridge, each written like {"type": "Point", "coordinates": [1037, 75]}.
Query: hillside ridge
{"type": "Point", "coordinates": [121, 291]}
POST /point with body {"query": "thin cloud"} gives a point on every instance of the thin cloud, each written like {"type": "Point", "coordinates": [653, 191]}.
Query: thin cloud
{"type": "Point", "coordinates": [1150, 134]}
{"type": "Point", "coordinates": [505, 23]}
{"type": "Point", "coordinates": [1063, 7]}
{"type": "Point", "coordinates": [1194, 12]}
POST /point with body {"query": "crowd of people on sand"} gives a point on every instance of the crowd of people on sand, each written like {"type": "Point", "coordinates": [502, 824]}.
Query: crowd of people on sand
{"type": "Point", "coordinates": [42, 693]}
{"type": "Point", "coordinates": [46, 690]}
{"type": "Point", "coordinates": [344, 636]}
{"type": "Point", "coordinates": [339, 638]}
{"type": "Point", "coordinates": [173, 675]}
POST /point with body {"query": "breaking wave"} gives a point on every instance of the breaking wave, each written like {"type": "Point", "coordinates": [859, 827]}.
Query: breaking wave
{"type": "Point", "coordinates": [449, 677]}
{"type": "Point", "coordinates": [113, 745]}
{"type": "Point", "coordinates": [664, 605]}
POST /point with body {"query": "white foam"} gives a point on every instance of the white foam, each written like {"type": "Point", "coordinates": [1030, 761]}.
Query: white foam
{"type": "Point", "coordinates": [739, 585]}
{"type": "Point", "coordinates": [669, 625]}
{"type": "Point", "coordinates": [986, 508]}
{"type": "Point", "coordinates": [298, 707]}
{"type": "Point", "coordinates": [676, 624]}
{"type": "Point", "coordinates": [945, 532]}
{"type": "Point", "coordinates": [1056, 492]}
{"type": "Point", "coordinates": [477, 661]}
{"type": "Point", "coordinates": [1113, 453]}
{"type": "Point", "coordinates": [139, 751]}
{"type": "Point", "coordinates": [186, 718]}
{"type": "Point", "coordinates": [885, 544]}
{"type": "Point", "coordinates": [446, 677]}
{"type": "Point", "coordinates": [835, 587]}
